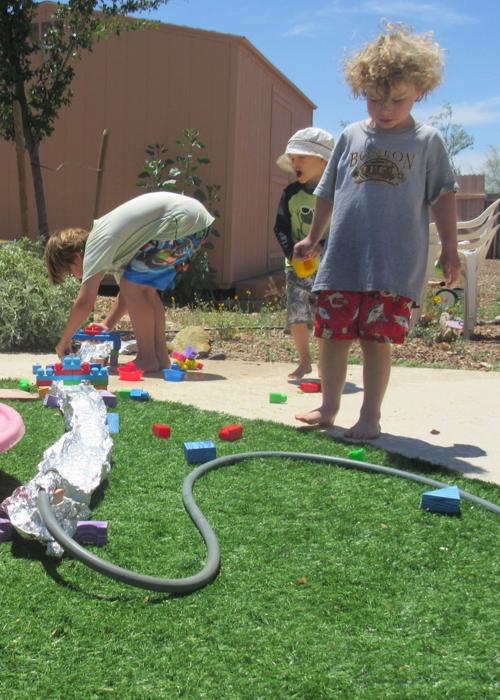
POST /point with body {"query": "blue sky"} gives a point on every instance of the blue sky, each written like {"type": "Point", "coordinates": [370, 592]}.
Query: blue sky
{"type": "Point", "coordinates": [307, 40]}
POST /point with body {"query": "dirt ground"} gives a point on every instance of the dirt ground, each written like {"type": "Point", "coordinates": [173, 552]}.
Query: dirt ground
{"type": "Point", "coordinates": [481, 352]}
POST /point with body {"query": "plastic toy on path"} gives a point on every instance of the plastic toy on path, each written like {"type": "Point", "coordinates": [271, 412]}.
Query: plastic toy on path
{"type": "Point", "coordinates": [231, 432]}
{"type": "Point", "coordinates": [275, 397]}
{"type": "Point", "coordinates": [173, 375]}
{"type": "Point", "coordinates": [130, 372]}
{"type": "Point", "coordinates": [11, 427]}
{"type": "Point", "coordinates": [310, 387]}
{"type": "Point", "coordinates": [186, 360]}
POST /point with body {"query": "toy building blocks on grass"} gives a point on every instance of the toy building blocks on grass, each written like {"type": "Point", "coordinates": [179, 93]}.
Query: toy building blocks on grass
{"type": "Point", "coordinates": [275, 397]}
{"type": "Point", "coordinates": [231, 432]}
{"type": "Point", "coordinates": [71, 372]}
{"type": "Point", "coordinates": [92, 532]}
{"type": "Point", "coordinates": [24, 384]}
{"type": "Point", "coordinates": [358, 455]}
{"type": "Point", "coordinates": [51, 401]}
{"type": "Point", "coordinates": [139, 395]}
{"type": "Point", "coordinates": [446, 500]}
{"type": "Point", "coordinates": [197, 452]}
{"type": "Point", "coordinates": [113, 420]}
{"type": "Point", "coordinates": [109, 399]}
{"type": "Point", "coordinates": [5, 530]}
{"type": "Point", "coordinates": [161, 430]}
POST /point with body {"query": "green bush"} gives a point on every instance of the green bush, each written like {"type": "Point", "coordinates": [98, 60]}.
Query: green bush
{"type": "Point", "coordinates": [32, 311]}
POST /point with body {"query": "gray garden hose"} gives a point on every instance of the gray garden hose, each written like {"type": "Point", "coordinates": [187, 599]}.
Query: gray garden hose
{"type": "Point", "coordinates": [211, 568]}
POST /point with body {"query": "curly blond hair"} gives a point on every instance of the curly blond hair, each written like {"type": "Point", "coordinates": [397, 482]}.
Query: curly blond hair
{"type": "Point", "coordinates": [396, 55]}
{"type": "Point", "coordinates": [60, 251]}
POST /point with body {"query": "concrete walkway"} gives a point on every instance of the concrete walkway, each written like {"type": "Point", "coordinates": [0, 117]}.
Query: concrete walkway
{"type": "Point", "coordinates": [446, 417]}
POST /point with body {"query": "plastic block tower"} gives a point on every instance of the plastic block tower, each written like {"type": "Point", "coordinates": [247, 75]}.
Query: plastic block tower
{"type": "Point", "coordinates": [97, 335]}
{"type": "Point", "coordinates": [71, 371]}
{"type": "Point", "coordinates": [197, 452]}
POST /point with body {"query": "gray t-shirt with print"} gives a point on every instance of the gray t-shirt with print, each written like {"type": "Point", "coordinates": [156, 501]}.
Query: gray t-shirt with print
{"type": "Point", "coordinates": [382, 183]}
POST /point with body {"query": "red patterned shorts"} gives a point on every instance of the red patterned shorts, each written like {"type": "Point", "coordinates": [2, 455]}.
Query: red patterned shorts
{"type": "Point", "coordinates": [379, 316]}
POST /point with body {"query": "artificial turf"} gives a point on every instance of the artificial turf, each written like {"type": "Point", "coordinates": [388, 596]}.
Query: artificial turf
{"type": "Point", "coordinates": [333, 583]}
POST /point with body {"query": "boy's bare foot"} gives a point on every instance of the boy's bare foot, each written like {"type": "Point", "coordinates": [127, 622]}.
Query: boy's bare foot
{"type": "Point", "coordinates": [318, 417]}
{"type": "Point", "coordinates": [300, 371]}
{"type": "Point", "coordinates": [364, 429]}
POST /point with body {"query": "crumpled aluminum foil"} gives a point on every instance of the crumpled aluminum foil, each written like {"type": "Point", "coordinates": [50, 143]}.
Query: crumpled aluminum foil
{"type": "Point", "coordinates": [92, 351]}
{"type": "Point", "coordinates": [77, 463]}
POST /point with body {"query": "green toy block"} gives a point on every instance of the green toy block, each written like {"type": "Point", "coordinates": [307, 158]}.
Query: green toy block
{"type": "Point", "coordinates": [24, 384]}
{"type": "Point", "coordinates": [275, 397]}
{"type": "Point", "coordinates": [124, 393]}
{"type": "Point", "coordinates": [358, 455]}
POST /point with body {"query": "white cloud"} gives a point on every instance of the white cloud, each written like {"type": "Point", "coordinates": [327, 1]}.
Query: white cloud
{"type": "Point", "coordinates": [427, 12]}
{"type": "Point", "coordinates": [398, 9]}
{"type": "Point", "coordinates": [308, 29]}
{"type": "Point", "coordinates": [467, 113]}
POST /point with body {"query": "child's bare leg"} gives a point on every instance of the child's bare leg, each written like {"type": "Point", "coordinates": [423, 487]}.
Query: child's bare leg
{"type": "Point", "coordinates": [160, 339]}
{"type": "Point", "coordinates": [334, 356]}
{"type": "Point", "coordinates": [141, 301]}
{"type": "Point", "coordinates": [321, 345]}
{"type": "Point", "coordinates": [300, 333]}
{"type": "Point", "coordinates": [376, 373]}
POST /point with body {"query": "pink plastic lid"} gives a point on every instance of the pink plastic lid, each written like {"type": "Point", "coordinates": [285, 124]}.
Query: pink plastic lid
{"type": "Point", "coordinates": [11, 427]}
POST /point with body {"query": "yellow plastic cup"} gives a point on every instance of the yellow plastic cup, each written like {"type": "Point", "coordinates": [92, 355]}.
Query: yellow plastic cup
{"type": "Point", "coordinates": [305, 267]}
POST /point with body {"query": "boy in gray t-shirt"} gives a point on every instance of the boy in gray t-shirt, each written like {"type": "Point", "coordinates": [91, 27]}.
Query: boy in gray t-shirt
{"type": "Point", "coordinates": [383, 176]}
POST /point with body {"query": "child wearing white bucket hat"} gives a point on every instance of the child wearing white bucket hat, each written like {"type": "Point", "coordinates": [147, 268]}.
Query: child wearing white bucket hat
{"type": "Point", "coordinates": [306, 156]}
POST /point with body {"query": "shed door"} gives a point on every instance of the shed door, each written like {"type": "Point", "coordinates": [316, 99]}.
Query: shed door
{"type": "Point", "coordinates": [281, 130]}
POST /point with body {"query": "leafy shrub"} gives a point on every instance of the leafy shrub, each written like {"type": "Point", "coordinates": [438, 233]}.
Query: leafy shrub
{"type": "Point", "coordinates": [181, 175]}
{"type": "Point", "coordinates": [32, 311]}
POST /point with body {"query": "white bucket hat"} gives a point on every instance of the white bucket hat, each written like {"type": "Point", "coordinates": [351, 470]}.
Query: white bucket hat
{"type": "Point", "coordinates": [306, 142]}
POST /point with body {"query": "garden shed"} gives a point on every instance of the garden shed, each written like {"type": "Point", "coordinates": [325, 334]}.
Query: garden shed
{"type": "Point", "coordinates": [145, 87]}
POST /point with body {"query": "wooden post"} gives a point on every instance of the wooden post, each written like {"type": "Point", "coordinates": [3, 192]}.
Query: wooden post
{"type": "Point", "coordinates": [100, 171]}
{"type": "Point", "coordinates": [21, 171]}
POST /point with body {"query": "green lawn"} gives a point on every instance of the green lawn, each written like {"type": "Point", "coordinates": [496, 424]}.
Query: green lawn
{"type": "Point", "coordinates": [333, 584]}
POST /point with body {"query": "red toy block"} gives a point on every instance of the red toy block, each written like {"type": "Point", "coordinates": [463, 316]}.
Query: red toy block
{"type": "Point", "coordinates": [161, 430]}
{"type": "Point", "coordinates": [94, 329]}
{"type": "Point", "coordinates": [231, 432]}
{"type": "Point", "coordinates": [310, 387]}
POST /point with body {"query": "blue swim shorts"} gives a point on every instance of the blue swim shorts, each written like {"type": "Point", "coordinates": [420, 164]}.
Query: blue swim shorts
{"type": "Point", "coordinates": [158, 264]}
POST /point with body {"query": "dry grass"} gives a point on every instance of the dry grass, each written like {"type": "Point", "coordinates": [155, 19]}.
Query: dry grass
{"type": "Point", "coordinates": [243, 335]}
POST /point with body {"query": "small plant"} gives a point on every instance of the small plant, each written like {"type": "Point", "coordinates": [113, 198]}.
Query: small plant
{"type": "Point", "coordinates": [32, 311]}
{"type": "Point", "coordinates": [181, 174]}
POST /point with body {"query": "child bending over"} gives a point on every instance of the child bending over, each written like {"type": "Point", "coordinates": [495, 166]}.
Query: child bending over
{"type": "Point", "coordinates": [145, 242]}
{"type": "Point", "coordinates": [384, 174]}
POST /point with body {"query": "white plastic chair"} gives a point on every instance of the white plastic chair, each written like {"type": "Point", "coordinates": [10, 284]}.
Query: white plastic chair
{"type": "Point", "coordinates": [474, 240]}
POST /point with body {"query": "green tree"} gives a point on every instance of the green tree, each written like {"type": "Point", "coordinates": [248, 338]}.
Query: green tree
{"type": "Point", "coordinates": [37, 73]}
{"type": "Point", "coordinates": [492, 169]}
{"type": "Point", "coordinates": [454, 135]}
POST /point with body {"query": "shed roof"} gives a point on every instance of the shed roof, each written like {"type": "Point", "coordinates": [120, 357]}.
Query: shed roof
{"type": "Point", "coordinates": [235, 38]}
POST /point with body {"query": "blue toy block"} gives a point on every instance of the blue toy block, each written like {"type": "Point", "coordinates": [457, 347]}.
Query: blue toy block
{"type": "Point", "coordinates": [109, 399]}
{"type": "Point", "coordinates": [110, 336]}
{"type": "Point", "coordinates": [173, 375]}
{"type": "Point", "coordinates": [51, 401]}
{"type": "Point", "coordinates": [197, 452]}
{"type": "Point", "coordinates": [36, 367]}
{"type": "Point", "coordinates": [139, 395]}
{"type": "Point", "coordinates": [113, 422]}
{"type": "Point", "coordinates": [72, 362]}
{"type": "Point", "coordinates": [445, 500]}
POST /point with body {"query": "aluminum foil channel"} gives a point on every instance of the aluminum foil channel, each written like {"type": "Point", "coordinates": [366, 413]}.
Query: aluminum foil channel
{"type": "Point", "coordinates": [76, 463]}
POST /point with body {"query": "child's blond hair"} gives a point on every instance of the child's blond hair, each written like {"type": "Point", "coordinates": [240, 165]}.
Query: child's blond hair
{"type": "Point", "coordinates": [396, 55]}
{"type": "Point", "coordinates": [60, 252]}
